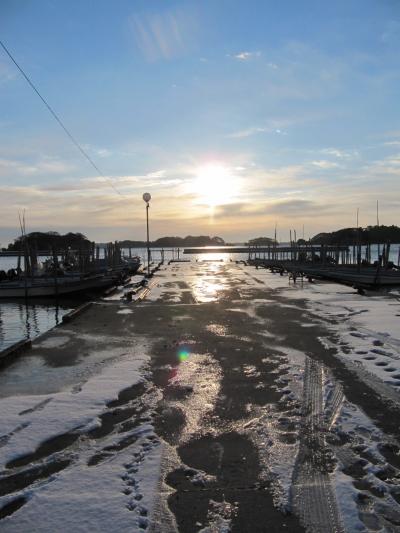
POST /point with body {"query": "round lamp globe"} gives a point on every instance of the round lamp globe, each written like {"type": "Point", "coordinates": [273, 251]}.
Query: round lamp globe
{"type": "Point", "coordinates": [147, 197]}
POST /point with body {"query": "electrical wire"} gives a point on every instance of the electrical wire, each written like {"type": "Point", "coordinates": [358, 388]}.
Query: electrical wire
{"type": "Point", "coordinates": [57, 118]}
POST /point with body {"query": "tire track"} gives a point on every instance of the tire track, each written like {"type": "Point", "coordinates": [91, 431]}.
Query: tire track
{"type": "Point", "coordinates": [313, 496]}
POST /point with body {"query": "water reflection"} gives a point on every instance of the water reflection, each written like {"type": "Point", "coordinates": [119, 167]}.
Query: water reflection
{"type": "Point", "coordinates": [20, 320]}
{"type": "Point", "coordinates": [208, 289]}
{"type": "Point", "coordinates": [212, 256]}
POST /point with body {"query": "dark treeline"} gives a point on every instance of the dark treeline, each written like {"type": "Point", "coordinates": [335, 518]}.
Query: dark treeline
{"type": "Point", "coordinates": [50, 240]}
{"type": "Point", "coordinates": [177, 242]}
{"type": "Point", "coordinates": [261, 241]}
{"type": "Point", "coordinates": [370, 234]}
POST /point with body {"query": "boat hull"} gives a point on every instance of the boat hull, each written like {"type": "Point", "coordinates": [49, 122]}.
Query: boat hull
{"type": "Point", "coordinates": [54, 288]}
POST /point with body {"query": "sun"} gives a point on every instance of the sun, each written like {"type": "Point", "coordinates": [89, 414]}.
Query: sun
{"type": "Point", "coordinates": [214, 185]}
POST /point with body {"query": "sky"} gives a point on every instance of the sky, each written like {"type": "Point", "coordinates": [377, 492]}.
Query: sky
{"type": "Point", "coordinates": [235, 116]}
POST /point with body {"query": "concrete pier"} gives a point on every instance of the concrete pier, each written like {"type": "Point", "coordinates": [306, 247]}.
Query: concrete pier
{"type": "Point", "coordinates": [221, 399]}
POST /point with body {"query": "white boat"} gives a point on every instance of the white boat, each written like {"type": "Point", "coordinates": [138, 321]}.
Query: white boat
{"type": "Point", "coordinates": [131, 264]}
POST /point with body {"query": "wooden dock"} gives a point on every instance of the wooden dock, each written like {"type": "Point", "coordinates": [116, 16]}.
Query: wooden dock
{"type": "Point", "coordinates": [269, 251]}
{"type": "Point", "coordinates": [365, 276]}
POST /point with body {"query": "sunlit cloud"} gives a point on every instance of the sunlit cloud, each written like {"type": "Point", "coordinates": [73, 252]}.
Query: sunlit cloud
{"type": "Point", "coordinates": [157, 174]}
{"type": "Point", "coordinates": [244, 201]}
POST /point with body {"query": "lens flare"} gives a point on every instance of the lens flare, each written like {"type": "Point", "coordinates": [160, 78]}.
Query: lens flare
{"type": "Point", "coordinates": [183, 355]}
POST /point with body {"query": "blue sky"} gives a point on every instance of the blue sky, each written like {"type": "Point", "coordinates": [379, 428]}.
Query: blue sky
{"type": "Point", "coordinates": [234, 115]}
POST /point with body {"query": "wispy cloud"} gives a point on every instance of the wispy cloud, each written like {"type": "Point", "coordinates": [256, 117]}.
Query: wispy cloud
{"type": "Point", "coordinates": [241, 134]}
{"type": "Point", "coordinates": [274, 126]}
{"type": "Point", "coordinates": [391, 32]}
{"type": "Point", "coordinates": [339, 153]}
{"type": "Point", "coordinates": [42, 166]}
{"type": "Point", "coordinates": [392, 143]}
{"type": "Point", "coordinates": [6, 73]}
{"type": "Point", "coordinates": [245, 56]}
{"type": "Point", "coordinates": [163, 35]}
{"type": "Point", "coordinates": [324, 164]}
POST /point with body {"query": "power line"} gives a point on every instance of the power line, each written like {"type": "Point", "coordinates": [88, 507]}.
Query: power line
{"type": "Point", "coordinates": [57, 118]}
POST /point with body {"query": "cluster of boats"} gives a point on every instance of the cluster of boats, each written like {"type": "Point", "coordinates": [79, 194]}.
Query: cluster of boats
{"type": "Point", "coordinates": [53, 278]}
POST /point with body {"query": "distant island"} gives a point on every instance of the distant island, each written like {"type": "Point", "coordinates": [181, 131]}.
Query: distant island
{"type": "Point", "coordinates": [176, 242]}
{"type": "Point", "coordinates": [370, 234]}
{"type": "Point", "coordinates": [50, 240]}
{"type": "Point", "coordinates": [43, 241]}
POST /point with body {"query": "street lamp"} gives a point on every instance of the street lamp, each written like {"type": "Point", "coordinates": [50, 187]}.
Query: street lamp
{"type": "Point", "coordinates": [147, 198]}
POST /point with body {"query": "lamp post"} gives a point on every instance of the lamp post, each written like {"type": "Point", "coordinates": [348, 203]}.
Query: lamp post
{"type": "Point", "coordinates": [147, 198]}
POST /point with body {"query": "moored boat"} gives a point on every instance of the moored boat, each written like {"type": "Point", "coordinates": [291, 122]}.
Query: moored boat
{"type": "Point", "coordinates": [55, 286]}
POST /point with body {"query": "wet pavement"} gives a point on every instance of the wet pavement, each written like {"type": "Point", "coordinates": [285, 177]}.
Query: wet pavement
{"type": "Point", "coordinates": [256, 423]}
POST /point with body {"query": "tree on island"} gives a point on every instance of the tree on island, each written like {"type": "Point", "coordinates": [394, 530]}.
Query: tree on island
{"type": "Point", "coordinates": [176, 242]}
{"type": "Point", "coordinates": [50, 240]}
{"type": "Point", "coordinates": [370, 234]}
{"type": "Point", "coordinates": [261, 241]}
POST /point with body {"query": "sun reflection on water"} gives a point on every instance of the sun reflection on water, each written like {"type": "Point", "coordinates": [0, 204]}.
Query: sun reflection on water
{"type": "Point", "coordinates": [207, 290]}
{"type": "Point", "coordinates": [212, 256]}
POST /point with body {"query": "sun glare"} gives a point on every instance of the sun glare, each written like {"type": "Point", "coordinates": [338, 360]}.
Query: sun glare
{"type": "Point", "coordinates": [214, 185]}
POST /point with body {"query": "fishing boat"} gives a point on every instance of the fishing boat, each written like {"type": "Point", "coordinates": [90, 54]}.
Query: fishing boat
{"type": "Point", "coordinates": [56, 286]}
{"type": "Point", "coordinates": [132, 264]}
{"type": "Point", "coordinates": [66, 272]}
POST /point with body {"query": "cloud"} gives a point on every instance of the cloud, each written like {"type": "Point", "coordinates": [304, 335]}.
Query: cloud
{"type": "Point", "coordinates": [326, 165]}
{"type": "Point", "coordinates": [394, 134]}
{"type": "Point", "coordinates": [124, 184]}
{"type": "Point", "coordinates": [292, 206]}
{"type": "Point", "coordinates": [392, 143]}
{"type": "Point", "coordinates": [246, 56]}
{"type": "Point", "coordinates": [6, 73]}
{"type": "Point", "coordinates": [44, 165]}
{"type": "Point", "coordinates": [272, 126]}
{"type": "Point", "coordinates": [103, 152]}
{"type": "Point", "coordinates": [163, 35]}
{"type": "Point", "coordinates": [298, 192]}
{"type": "Point", "coordinates": [241, 134]}
{"type": "Point", "coordinates": [9, 166]}
{"type": "Point", "coordinates": [157, 174]}
{"type": "Point", "coordinates": [286, 208]}
{"type": "Point", "coordinates": [384, 168]}
{"type": "Point", "coordinates": [392, 32]}
{"type": "Point", "coordinates": [340, 154]}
